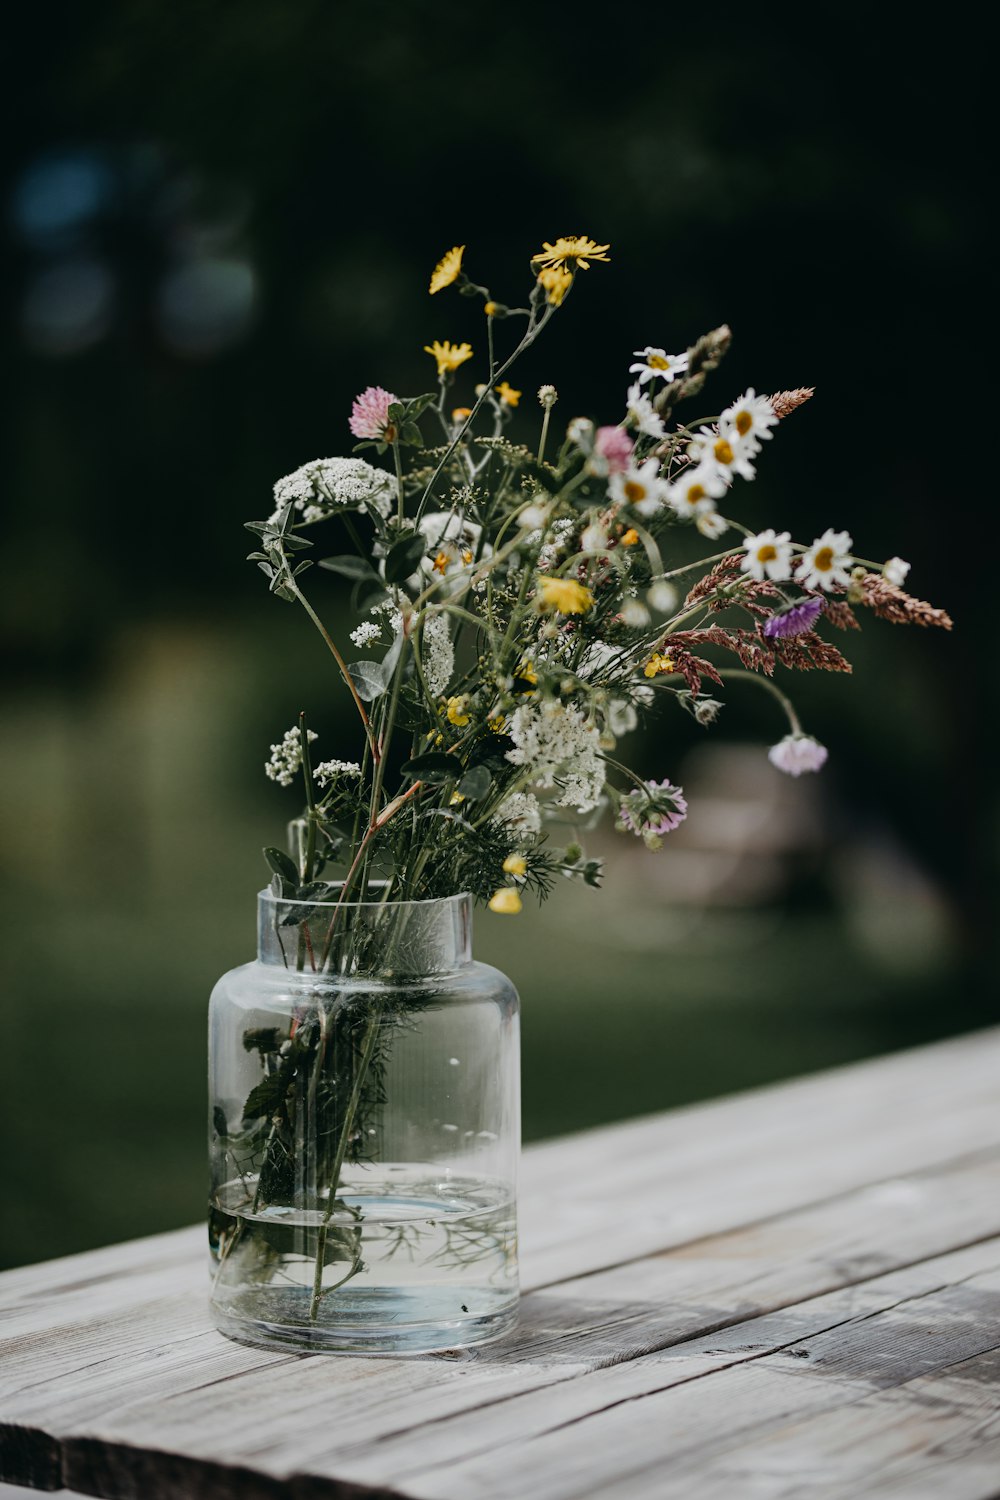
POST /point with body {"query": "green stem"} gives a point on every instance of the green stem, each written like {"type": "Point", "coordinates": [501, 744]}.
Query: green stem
{"type": "Point", "coordinates": [769, 687]}
{"type": "Point", "coordinates": [368, 1051]}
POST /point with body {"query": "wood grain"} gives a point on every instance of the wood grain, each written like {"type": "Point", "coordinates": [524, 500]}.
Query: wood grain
{"type": "Point", "coordinates": [773, 1295]}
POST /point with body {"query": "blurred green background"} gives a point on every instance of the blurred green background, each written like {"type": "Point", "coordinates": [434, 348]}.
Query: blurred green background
{"type": "Point", "coordinates": [219, 224]}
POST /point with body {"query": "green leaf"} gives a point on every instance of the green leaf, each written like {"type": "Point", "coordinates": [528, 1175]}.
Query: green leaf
{"type": "Point", "coordinates": [475, 784]}
{"type": "Point", "coordinates": [263, 1039]}
{"type": "Point", "coordinates": [396, 411]}
{"type": "Point", "coordinates": [366, 593]}
{"type": "Point", "coordinates": [410, 434]}
{"type": "Point", "coordinates": [436, 766]}
{"type": "Point", "coordinates": [265, 1097]}
{"type": "Point", "coordinates": [419, 405]}
{"type": "Point", "coordinates": [403, 556]}
{"type": "Point", "coordinates": [281, 864]}
{"type": "Point", "coordinates": [348, 566]}
{"type": "Point", "coordinates": [368, 678]}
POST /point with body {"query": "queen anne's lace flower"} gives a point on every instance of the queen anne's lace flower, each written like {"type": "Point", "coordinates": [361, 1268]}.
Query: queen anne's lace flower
{"type": "Point", "coordinates": [329, 770]}
{"type": "Point", "coordinates": [560, 748]}
{"type": "Point", "coordinates": [521, 813]}
{"type": "Point", "coordinates": [325, 485]}
{"type": "Point", "coordinates": [286, 757]}
{"type": "Point", "coordinates": [438, 654]}
{"type": "Point", "coordinates": [366, 631]}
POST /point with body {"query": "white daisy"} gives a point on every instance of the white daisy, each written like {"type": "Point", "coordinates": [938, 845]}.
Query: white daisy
{"type": "Point", "coordinates": [895, 571]}
{"type": "Point", "coordinates": [657, 364]}
{"type": "Point", "coordinates": [769, 555]}
{"type": "Point", "coordinates": [696, 490]}
{"type": "Point", "coordinates": [640, 487]}
{"type": "Point", "coordinates": [642, 413]}
{"type": "Point", "coordinates": [825, 564]}
{"type": "Point", "coordinates": [729, 454]}
{"type": "Point", "coordinates": [750, 418]}
{"type": "Point", "coordinates": [711, 524]}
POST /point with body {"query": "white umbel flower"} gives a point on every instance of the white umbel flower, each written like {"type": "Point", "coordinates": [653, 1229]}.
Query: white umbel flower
{"type": "Point", "coordinates": [895, 571]}
{"type": "Point", "coordinates": [695, 491]}
{"type": "Point", "coordinates": [520, 812]}
{"type": "Point", "coordinates": [438, 653]}
{"type": "Point", "coordinates": [642, 413]}
{"type": "Point", "coordinates": [329, 770]}
{"type": "Point", "coordinates": [641, 487]}
{"type": "Point", "coordinates": [558, 747]}
{"type": "Point", "coordinates": [797, 753]}
{"type": "Point", "coordinates": [657, 364]}
{"type": "Point", "coordinates": [286, 757]}
{"type": "Point", "coordinates": [749, 419]}
{"type": "Point", "coordinates": [326, 485]}
{"type": "Point", "coordinates": [367, 631]}
{"type": "Point", "coordinates": [825, 564]}
{"type": "Point", "coordinates": [769, 555]}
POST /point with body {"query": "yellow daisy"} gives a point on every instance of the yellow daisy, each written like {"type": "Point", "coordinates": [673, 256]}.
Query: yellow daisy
{"type": "Point", "coordinates": [448, 355]}
{"type": "Point", "coordinates": [515, 864]}
{"type": "Point", "coordinates": [447, 269]}
{"type": "Point", "coordinates": [658, 665]}
{"type": "Point", "coordinates": [578, 248]}
{"type": "Point", "coordinates": [563, 594]}
{"type": "Point", "coordinates": [507, 394]}
{"type": "Point", "coordinates": [557, 282]}
{"type": "Point", "coordinates": [506, 901]}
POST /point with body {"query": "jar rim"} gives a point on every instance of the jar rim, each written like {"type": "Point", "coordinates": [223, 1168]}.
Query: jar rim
{"type": "Point", "coordinates": [333, 905]}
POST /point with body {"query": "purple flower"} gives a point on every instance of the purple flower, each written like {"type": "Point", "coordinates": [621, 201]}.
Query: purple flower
{"type": "Point", "coordinates": [370, 414]}
{"type": "Point", "coordinates": [797, 753]}
{"type": "Point", "coordinates": [615, 447]}
{"type": "Point", "coordinates": [655, 808]}
{"type": "Point", "coordinates": [795, 620]}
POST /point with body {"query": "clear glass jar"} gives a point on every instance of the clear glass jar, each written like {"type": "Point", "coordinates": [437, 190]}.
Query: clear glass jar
{"type": "Point", "coordinates": [365, 1130]}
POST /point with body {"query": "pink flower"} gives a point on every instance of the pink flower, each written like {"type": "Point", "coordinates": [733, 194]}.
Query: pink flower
{"type": "Point", "coordinates": [615, 447]}
{"type": "Point", "coordinates": [370, 414]}
{"type": "Point", "coordinates": [797, 753]}
{"type": "Point", "coordinates": [655, 808]}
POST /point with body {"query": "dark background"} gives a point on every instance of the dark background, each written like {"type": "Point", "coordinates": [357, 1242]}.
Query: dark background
{"type": "Point", "coordinates": [219, 225]}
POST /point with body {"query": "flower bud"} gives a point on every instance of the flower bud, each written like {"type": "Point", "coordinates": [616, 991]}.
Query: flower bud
{"type": "Point", "coordinates": [635, 613]}
{"type": "Point", "coordinates": [662, 597]}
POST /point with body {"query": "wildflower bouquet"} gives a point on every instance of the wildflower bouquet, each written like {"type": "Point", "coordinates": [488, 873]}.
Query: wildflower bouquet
{"type": "Point", "coordinates": [519, 610]}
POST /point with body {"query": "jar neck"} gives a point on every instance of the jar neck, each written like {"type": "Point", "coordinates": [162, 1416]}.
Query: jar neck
{"type": "Point", "coordinates": [381, 940]}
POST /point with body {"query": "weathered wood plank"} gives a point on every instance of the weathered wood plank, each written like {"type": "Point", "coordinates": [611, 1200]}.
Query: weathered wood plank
{"type": "Point", "coordinates": [658, 1445]}
{"type": "Point", "coordinates": [611, 1319]}
{"type": "Point", "coordinates": [112, 1380]}
{"type": "Point", "coordinates": [705, 1169]}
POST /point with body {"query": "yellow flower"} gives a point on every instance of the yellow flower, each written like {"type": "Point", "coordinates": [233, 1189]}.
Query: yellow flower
{"type": "Point", "coordinates": [557, 282]}
{"type": "Point", "coordinates": [497, 725]}
{"type": "Point", "coordinates": [441, 562]}
{"type": "Point", "coordinates": [455, 710]}
{"type": "Point", "coordinates": [515, 864]}
{"type": "Point", "coordinates": [447, 269]}
{"type": "Point", "coordinates": [575, 247]}
{"type": "Point", "coordinates": [658, 665]}
{"type": "Point", "coordinates": [526, 672]}
{"type": "Point", "coordinates": [507, 394]}
{"type": "Point", "coordinates": [460, 413]}
{"type": "Point", "coordinates": [506, 900]}
{"type": "Point", "coordinates": [456, 798]}
{"type": "Point", "coordinates": [448, 355]}
{"type": "Point", "coordinates": [563, 594]}
{"type": "Point", "coordinates": [630, 537]}
{"type": "Point", "coordinates": [489, 308]}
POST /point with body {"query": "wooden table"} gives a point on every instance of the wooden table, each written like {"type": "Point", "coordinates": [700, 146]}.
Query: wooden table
{"type": "Point", "coordinates": [794, 1292]}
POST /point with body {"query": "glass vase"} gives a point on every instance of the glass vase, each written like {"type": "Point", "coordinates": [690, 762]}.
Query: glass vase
{"type": "Point", "coordinates": [365, 1130]}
